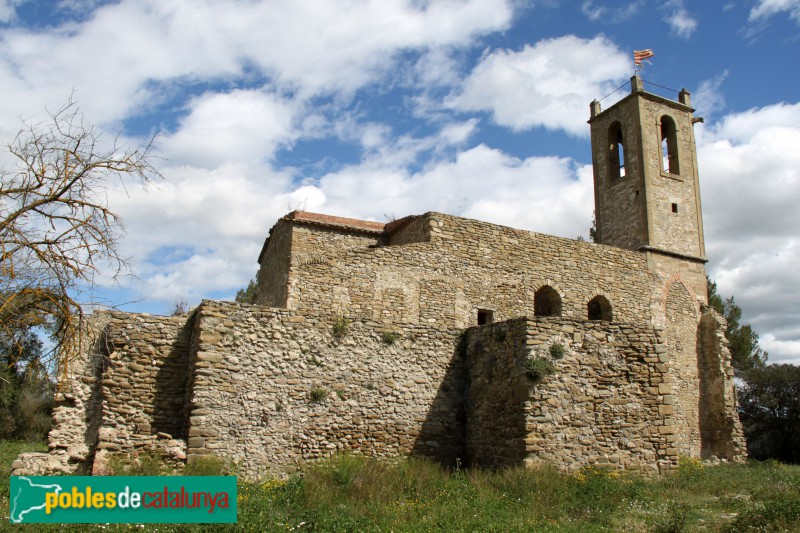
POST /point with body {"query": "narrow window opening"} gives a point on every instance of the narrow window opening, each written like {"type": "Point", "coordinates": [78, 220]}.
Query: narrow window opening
{"type": "Point", "coordinates": [485, 316]}
{"type": "Point", "coordinates": [616, 155]}
{"type": "Point", "coordinates": [546, 302]}
{"type": "Point", "coordinates": [599, 308]}
{"type": "Point", "coordinates": [669, 145]}
{"type": "Point", "coordinates": [674, 208]}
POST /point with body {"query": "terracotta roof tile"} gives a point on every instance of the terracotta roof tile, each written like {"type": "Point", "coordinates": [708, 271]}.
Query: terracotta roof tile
{"type": "Point", "coordinates": [332, 221]}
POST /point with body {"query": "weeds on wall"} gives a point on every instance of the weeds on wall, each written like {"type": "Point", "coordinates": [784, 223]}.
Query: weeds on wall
{"type": "Point", "coordinates": [341, 326]}
{"type": "Point", "coordinates": [390, 337]}
{"type": "Point", "coordinates": [538, 368]}
{"type": "Point", "coordinates": [317, 394]}
{"type": "Point", "coordinates": [556, 351]}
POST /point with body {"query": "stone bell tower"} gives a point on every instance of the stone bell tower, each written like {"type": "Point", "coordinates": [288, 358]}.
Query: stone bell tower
{"type": "Point", "coordinates": [646, 189]}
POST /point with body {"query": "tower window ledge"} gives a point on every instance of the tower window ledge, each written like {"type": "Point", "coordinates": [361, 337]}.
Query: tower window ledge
{"type": "Point", "coordinates": [676, 177]}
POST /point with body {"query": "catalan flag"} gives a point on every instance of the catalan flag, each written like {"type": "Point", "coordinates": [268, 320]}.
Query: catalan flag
{"type": "Point", "coordinates": [640, 55]}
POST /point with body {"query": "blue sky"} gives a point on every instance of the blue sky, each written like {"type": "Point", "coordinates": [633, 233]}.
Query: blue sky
{"type": "Point", "coordinates": [384, 108]}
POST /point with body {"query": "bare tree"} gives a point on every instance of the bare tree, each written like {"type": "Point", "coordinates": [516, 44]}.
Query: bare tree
{"type": "Point", "coordinates": [57, 231]}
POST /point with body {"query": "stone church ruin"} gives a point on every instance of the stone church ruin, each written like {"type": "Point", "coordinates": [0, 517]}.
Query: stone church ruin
{"type": "Point", "coordinates": [439, 336]}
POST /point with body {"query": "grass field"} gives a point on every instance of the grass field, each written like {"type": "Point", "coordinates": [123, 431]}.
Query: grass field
{"type": "Point", "coordinates": [351, 493]}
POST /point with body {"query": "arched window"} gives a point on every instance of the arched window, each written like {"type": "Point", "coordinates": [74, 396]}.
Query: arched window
{"type": "Point", "coordinates": [546, 302]}
{"type": "Point", "coordinates": [599, 309]}
{"type": "Point", "coordinates": [616, 152]}
{"type": "Point", "coordinates": [669, 145]}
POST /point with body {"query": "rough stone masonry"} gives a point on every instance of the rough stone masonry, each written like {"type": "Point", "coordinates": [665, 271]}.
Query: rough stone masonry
{"type": "Point", "coordinates": [438, 336]}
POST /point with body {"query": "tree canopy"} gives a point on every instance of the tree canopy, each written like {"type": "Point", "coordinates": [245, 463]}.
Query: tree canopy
{"type": "Point", "coordinates": [248, 294]}
{"type": "Point", "coordinates": [746, 354]}
{"type": "Point", "coordinates": [769, 404]}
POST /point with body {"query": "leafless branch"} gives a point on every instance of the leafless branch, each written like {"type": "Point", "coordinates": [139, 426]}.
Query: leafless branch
{"type": "Point", "coordinates": [57, 229]}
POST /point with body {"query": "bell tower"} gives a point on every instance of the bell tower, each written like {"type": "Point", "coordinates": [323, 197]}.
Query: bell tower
{"type": "Point", "coordinates": [646, 189]}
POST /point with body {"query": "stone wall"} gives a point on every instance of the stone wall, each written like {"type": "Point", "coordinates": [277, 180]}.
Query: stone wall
{"type": "Point", "coordinates": [77, 413]}
{"type": "Point", "coordinates": [273, 388]}
{"type": "Point", "coordinates": [123, 395]}
{"type": "Point", "coordinates": [609, 402]}
{"type": "Point", "coordinates": [273, 278]}
{"type": "Point", "coordinates": [463, 266]}
{"type": "Point", "coordinates": [720, 429]}
{"type": "Point", "coordinates": [143, 385]}
{"type": "Point", "coordinates": [497, 393]}
{"type": "Point", "coordinates": [365, 357]}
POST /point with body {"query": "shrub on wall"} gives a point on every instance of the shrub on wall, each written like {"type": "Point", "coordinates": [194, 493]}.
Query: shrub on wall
{"type": "Point", "coordinates": [538, 368]}
{"type": "Point", "coordinates": [389, 337]}
{"type": "Point", "coordinates": [340, 327]}
{"type": "Point", "coordinates": [556, 351]}
{"type": "Point", "coordinates": [317, 394]}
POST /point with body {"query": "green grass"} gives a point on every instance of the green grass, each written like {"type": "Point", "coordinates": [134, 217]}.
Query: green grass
{"type": "Point", "coordinates": [354, 493]}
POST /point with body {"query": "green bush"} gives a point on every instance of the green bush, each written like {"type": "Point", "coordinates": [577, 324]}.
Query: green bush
{"type": "Point", "coordinates": [390, 337]}
{"type": "Point", "coordinates": [538, 368]}
{"type": "Point", "coordinates": [556, 351]}
{"type": "Point", "coordinates": [340, 327]}
{"type": "Point", "coordinates": [317, 394]}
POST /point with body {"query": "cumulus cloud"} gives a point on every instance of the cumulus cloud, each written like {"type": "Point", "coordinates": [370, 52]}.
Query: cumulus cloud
{"type": "Point", "coordinates": [8, 9]}
{"type": "Point", "coordinates": [306, 46]}
{"type": "Point", "coordinates": [750, 182]}
{"type": "Point", "coordinates": [766, 8]}
{"type": "Point", "coordinates": [198, 217]}
{"type": "Point", "coordinates": [546, 194]}
{"type": "Point", "coordinates": [548, 84]}
{"type": "Point", "coordinates": [241, 125]}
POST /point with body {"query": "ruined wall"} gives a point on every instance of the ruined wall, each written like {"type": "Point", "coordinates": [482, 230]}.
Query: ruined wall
{"type": "Point", "coordinates": [124, 394]}
{"type": "Point", "coordinates": [273, 278]}
{"type": "Point", "coordinates": [720, 429]}
{"type": "Point", "coordinates": [273, 388]}
{"type": "Point", "coordinates": [143, 385]}
{"type": "Point", "coordinates": [608, 403]}
{"type": "Point", "coordinates": [77, 412]}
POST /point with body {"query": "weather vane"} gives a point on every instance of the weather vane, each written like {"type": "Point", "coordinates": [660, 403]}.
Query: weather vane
{"type": "Point", "coordinates": [640, 57]}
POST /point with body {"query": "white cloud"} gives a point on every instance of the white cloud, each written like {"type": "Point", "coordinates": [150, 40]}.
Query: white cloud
{"type": "Point", "coordinates": [548, 84]}
{"type": "Point", "coordinates": [750, 181]}
{"type": "Point", "coordinates": [708, 98]}
{"type": "Point", "coordinates": [8, 9]}
{"type": "Point", "coordinates": [308, 46]}
{"type": "Point", "coordinates": [242, 126]}
{"type": "Point", "coordinates": [545, 194]}
{"type": "Point", "coordinates": [680, 21]}
{"type": "Point", "coordinates": [617, 14]}
{"type": "Point", "coordinates": [766, 8]}
{"type": "Point", "coordinates": [197, 217]}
